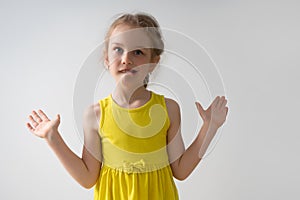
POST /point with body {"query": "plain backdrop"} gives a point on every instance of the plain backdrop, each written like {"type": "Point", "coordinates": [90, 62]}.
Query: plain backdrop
{"type": "Point", "coordinates": [254, 44]}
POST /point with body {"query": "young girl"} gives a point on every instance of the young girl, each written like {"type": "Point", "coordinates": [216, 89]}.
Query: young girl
{"type": "Point", "coordinates": [132, 141]}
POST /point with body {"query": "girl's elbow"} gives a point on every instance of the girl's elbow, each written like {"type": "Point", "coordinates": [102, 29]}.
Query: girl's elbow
{"type": "Point", "coordinates": [89, 180]}
{"type": "Point", "coordinates": [88, 185]}
{"type": "Point", "coordinates": [180, 177]}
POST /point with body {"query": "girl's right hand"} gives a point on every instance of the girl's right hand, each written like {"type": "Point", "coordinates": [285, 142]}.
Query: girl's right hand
{"type": "Point", "coordinates": [41, 126]}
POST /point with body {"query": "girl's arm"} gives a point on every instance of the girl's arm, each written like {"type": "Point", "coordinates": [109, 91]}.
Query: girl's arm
{"type": "Point", "coordinates": [183, 162]}
{"type": "Point", "coordinates": [84, 170]}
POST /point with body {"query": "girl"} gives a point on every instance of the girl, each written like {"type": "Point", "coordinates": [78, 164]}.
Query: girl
{"type": "Point", "coordinates": [132, 141]}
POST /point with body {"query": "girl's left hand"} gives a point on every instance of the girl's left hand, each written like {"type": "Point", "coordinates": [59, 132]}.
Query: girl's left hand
{"type": "Point", "coordinates": [216, 113]}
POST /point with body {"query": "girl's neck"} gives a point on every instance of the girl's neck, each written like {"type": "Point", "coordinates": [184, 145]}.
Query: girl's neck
{"type": "Point", "coordinates": [127, 97]}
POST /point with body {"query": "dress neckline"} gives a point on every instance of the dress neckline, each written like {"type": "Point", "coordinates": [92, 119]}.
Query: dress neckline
{"type": "Point", "coordinates": [132, 109]}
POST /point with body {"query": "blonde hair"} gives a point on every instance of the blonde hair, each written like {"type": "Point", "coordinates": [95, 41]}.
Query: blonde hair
{"type": "Point", "coordinates": [139, 20]}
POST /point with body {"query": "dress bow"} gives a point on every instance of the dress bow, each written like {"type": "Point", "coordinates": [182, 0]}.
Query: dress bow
{"type": "Point", "coordinates": [137, 166]}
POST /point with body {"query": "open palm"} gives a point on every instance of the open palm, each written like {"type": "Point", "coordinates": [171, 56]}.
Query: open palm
{"type": "Point", "coordinates": [40, 125]}
{"type": "Point", "coordinates": [216, 113]}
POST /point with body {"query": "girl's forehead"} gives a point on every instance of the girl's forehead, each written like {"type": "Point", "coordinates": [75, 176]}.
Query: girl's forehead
{"type": "Point", "coordinates": [130, 38]}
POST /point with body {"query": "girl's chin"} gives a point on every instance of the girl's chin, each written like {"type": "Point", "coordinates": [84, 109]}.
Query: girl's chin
{"type": "Point", "coordinates": [129, 83]}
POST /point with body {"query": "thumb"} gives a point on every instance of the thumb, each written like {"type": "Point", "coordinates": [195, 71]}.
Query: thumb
{"type": "Point", "coordinates": [199, 107]}
{"type": "Point", "coordinates": [58, 117]}
{"type": "Point", "coordinates": [57, 120]}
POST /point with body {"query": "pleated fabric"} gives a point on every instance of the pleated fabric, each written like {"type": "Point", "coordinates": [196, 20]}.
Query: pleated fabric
{"type": "Point", "coordinates": [119, 185]}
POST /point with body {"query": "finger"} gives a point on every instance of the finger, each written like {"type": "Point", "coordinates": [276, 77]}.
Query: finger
{"type": "Point", "coordinates": [226, 110]}
{"type": "Point", "coordinates": [43, 115]}
{"type": "Point", "coordinates": [37, 118]}
{"type": "Point", "coordinates": [199, 107]}
{"type": "Point", "coordinates": [57, 118]}
{"type": "Point", "coordinates": [223, 102]}
{"type": "Point", "coordinates": [215, 102]}
{"type": "Point", "coordinates": [30, 127]}
{"type": "Point", "coordinates": [33, 122]}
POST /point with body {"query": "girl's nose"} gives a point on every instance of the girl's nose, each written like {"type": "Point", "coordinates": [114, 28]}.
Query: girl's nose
{"type": "Point", "coordinates": [126, 60]}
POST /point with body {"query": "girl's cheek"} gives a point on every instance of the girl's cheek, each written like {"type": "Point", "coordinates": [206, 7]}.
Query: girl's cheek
{"type": "Point", "coordinates": [113, 58]}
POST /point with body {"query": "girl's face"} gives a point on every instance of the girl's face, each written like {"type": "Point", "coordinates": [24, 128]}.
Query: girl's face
{"type": "Point", "coordinates": [129, 57]}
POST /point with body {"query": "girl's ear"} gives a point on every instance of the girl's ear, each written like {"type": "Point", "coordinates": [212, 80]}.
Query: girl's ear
{"type": "Point", "coordinates": [154, 62]}
{"type": "Point", "coordinates": [155, 59]}
{"type": "Point", "coordinates": [106, 63]}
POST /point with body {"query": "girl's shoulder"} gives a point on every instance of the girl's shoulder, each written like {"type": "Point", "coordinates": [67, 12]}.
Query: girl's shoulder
{"type": "Point", "coordinates": [92, 115]}
{"type": "Point", "coordinates": [170, 103]}
{"type": "Point", "coordinates": [93, 109]}
{"type": "Point", "coordinates": [172, 106]}
{"type": "Point", "coordinates": [173, 110]}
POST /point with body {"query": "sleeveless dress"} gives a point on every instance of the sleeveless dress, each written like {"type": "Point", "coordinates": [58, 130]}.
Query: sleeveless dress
{"type": "Point", "coordinates": [135, 163]}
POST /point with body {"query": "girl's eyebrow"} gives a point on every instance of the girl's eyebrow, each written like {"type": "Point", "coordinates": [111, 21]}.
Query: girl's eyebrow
{"type": "Point", "coordinates": [116, 43]}
{"type": "Point", "coordinates": [141, 47]}
{"type": "Point", "coordinates": [137, 47]}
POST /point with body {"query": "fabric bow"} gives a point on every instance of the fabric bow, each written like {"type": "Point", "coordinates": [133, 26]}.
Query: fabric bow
{"type": "Point", "coordinates": [130, 167]}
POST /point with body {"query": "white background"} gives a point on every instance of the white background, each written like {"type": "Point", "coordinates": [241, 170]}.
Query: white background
{"type": "Point", "coordinates": [255, 45]}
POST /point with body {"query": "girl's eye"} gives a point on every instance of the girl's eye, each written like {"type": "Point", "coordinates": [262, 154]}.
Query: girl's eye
{"type": "Point", "coordinates": [118, 50]}
{"type": "Point", "coordinates": [138, 52]}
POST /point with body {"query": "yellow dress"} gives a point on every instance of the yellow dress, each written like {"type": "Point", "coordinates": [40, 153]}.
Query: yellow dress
{"type": "Point", "coordinates": [135, 160]}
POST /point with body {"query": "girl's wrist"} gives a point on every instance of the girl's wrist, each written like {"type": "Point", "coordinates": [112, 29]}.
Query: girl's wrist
{"type": "Point", "coordinates": [52, 137]}
{"type": "Point", "coordinates": [210, 124]}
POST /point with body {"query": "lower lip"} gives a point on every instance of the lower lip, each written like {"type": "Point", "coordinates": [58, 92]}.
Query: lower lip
{"type": "Point", "coordinates": [130, 72]}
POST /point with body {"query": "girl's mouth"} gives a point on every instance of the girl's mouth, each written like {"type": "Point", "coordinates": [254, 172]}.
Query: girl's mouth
{"type": "Point", "coordinates": [132, 71]}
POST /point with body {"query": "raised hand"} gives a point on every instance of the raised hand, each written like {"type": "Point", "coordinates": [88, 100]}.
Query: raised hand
{"type": "Point", "coordinates": [40, 125]}
{"type": "Point", "coordinates": [216, 113]}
